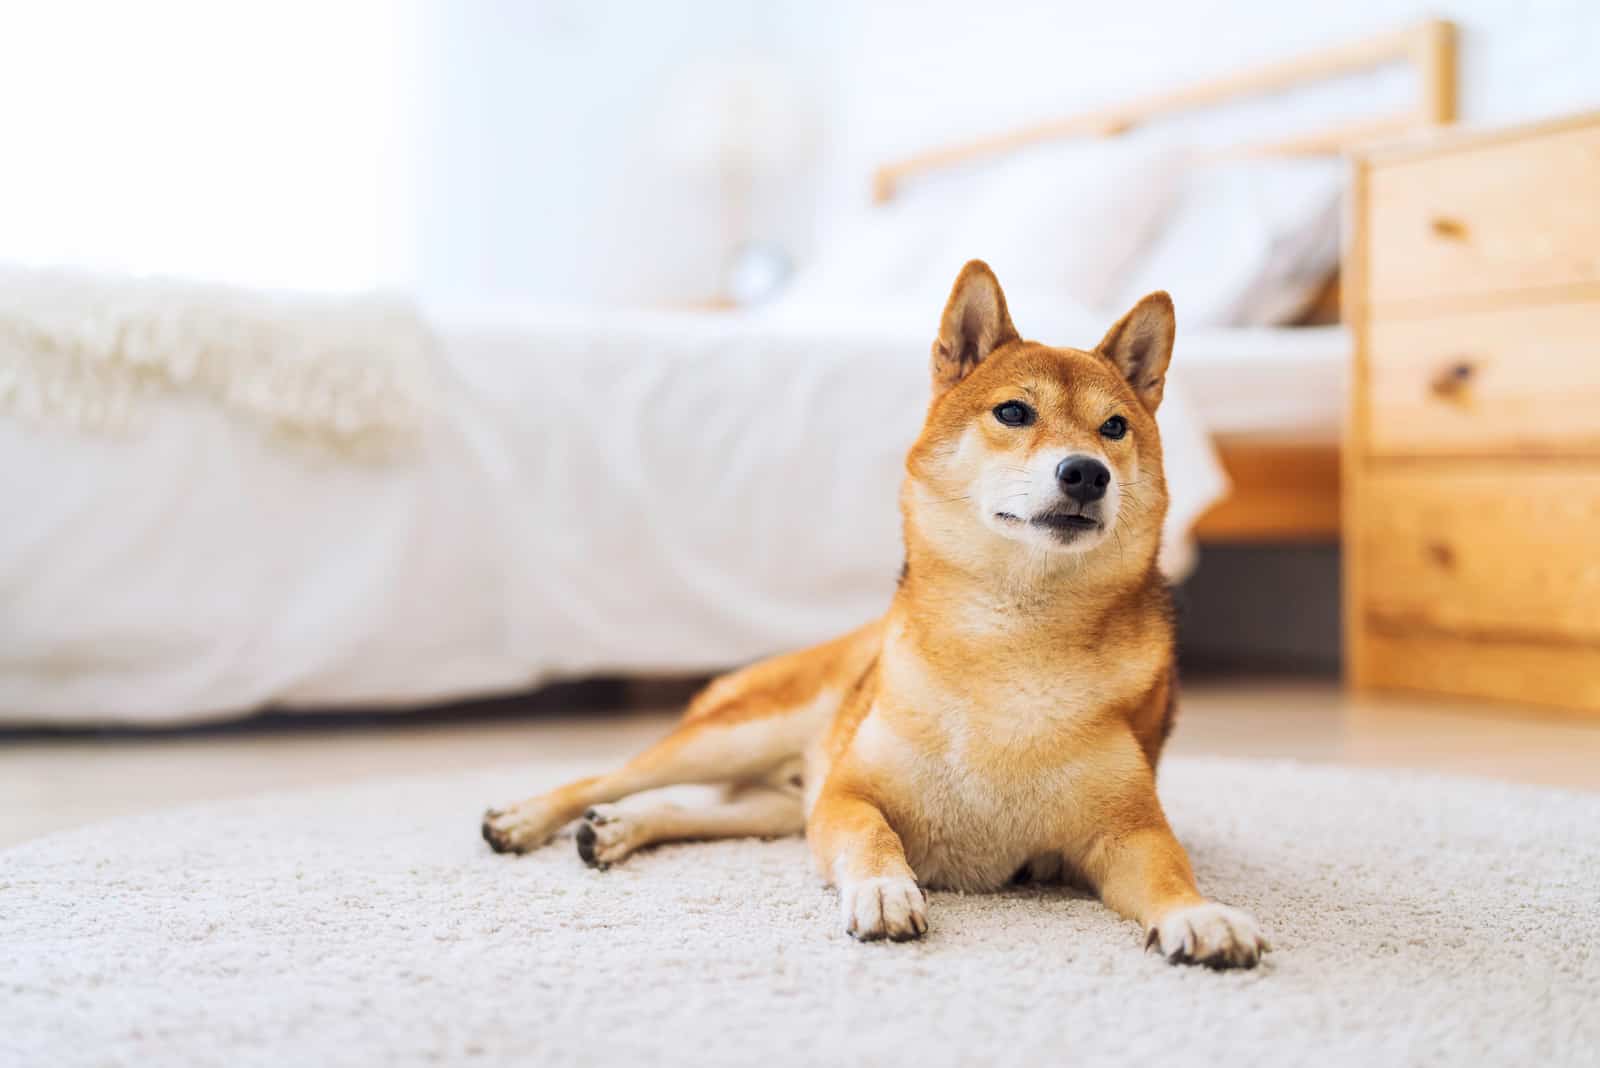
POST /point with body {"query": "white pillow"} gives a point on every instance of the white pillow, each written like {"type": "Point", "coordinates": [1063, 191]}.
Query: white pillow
{"type": "Point", "coordinates": [1252, 243]}
{"type": "Point", "coordinates": [883, 254]}
{"type": "Point", "coordinates": [1068, 219]}
{"type": "Point", "coordinates": [1062, 223]}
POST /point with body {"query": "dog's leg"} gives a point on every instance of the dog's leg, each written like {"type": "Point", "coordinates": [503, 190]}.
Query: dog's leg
{"type": "Point", "coordinates": [1140, 870]}
{"type": "Point", "coordinates": [863, 856]}
{"type": "Point", "coordinates": [609, 833]}
{"type": "Point", "coordinates": [738, 730]}
{"type": "Point", "coordinates": [704, 750]}
{"type": "Point", "coordinates": [1144, 874]}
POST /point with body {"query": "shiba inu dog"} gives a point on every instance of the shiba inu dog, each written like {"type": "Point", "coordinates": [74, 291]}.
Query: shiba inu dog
{"type": "Point", "coordinates": [1003, 720]}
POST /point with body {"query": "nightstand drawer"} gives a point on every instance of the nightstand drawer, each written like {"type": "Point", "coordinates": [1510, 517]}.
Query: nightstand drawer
{"type": "Point", "coordinates": [1514, 381]}
{"type": "Point", "coordinates": [1507, 215]}
{"type": "Point", "coordinates": [1496, 549]}
{"type": "Point", "coordinates": [1542, 673]}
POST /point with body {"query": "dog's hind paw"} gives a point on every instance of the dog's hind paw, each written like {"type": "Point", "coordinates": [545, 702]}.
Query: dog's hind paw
{"type": "Point", "coordinates": [518, 829]}
{"type": "Point", "coordinates": [894, 908]}
{"type": "Point", "coordinates": [1210, 934]}
{"type": "Point", "coordinates": [606, 836]}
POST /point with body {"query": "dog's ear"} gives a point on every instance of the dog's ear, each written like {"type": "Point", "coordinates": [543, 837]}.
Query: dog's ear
{"type": "Point", "coordinates": [1140, 346]}
{"type": "Point", "coordinates": [975, 323]}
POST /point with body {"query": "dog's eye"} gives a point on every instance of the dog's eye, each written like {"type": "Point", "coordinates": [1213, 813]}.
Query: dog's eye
{"type": "Point", "coordinates": [1014, 413]}
{"type": "Point", "coordinates": [1114, 428]}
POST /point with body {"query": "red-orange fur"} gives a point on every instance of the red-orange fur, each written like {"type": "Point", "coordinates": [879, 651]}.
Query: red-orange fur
{"type": "Point", "coordinates": [1007, 712]}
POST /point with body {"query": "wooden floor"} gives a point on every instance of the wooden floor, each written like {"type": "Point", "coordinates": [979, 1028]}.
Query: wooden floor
{"type": "Point", "coordinates": [48, 783]}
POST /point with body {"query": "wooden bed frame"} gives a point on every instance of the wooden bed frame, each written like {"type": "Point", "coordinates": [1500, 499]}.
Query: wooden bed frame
{"type": "Point", "coordinates": [1284, 489]}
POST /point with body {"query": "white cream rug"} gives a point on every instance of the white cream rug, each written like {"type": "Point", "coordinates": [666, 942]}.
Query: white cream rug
{"type": "Point", "coordinates": [1415, 920]}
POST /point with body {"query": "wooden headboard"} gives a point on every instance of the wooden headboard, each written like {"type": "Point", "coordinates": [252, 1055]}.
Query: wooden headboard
{"type": "Point", "coordinates": [1428, 48]}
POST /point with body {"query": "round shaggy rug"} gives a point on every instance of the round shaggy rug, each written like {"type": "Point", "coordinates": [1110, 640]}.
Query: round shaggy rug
{"type": "Point", "coordinates": [1414, 920]}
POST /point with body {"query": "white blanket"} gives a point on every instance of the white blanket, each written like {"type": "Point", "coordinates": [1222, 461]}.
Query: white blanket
{"type": "Point", "coordinates": [594, 492]}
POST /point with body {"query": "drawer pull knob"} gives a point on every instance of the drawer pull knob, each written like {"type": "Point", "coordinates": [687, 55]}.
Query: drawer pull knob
{"type": "Point", "coordinates": [1452, 381]}
{"type": "Point", "coordinates": [1448, 228]}
{"type": "Point", "coordinates": [1442, 555]}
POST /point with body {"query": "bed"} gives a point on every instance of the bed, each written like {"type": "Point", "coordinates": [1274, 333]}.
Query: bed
{"type": "Point", "coordinates": [640, 493]}
{"type": "Point", "coordinates": [643, 493]}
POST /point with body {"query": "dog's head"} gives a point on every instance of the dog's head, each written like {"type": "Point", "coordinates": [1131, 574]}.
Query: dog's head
{"type": "Point", "coordinates": [1052, 449]}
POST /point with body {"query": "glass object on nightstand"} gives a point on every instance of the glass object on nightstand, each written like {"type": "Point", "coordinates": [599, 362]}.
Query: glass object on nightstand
{"type": "Point", "coordinates": [756, 272]}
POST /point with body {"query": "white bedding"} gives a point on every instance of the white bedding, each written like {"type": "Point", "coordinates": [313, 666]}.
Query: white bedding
{"type": "Point", "coordinates": [594, 492]}
{"type": "Point", "coordinates": [1281, 381]}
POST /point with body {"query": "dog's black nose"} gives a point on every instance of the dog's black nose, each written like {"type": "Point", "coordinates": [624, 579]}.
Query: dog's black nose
{"type": "Point", "coordinates": [1082, 478]}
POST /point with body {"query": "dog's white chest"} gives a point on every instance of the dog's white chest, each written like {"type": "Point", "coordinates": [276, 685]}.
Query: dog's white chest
{"type": "Point", "coordinates": [967, 821]}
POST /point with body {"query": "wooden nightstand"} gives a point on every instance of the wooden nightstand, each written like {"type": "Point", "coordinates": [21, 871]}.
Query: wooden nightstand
{"type": "Point", "coordinates": [1472, 489]}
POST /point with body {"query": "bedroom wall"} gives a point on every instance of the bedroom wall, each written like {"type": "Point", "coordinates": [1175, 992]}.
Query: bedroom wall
{"type": "Point", "coordinates": [554, 145]}
{"type": "Point", "coordinates": [255, 143]}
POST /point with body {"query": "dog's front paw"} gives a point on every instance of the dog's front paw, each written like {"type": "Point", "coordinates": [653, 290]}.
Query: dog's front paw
{"type": "Point", "coordinates": [893, 907]}
{"type": "Point", "coordinates": [1210, 934]}
{"type": "Point", "coordinates": [520, 828]}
